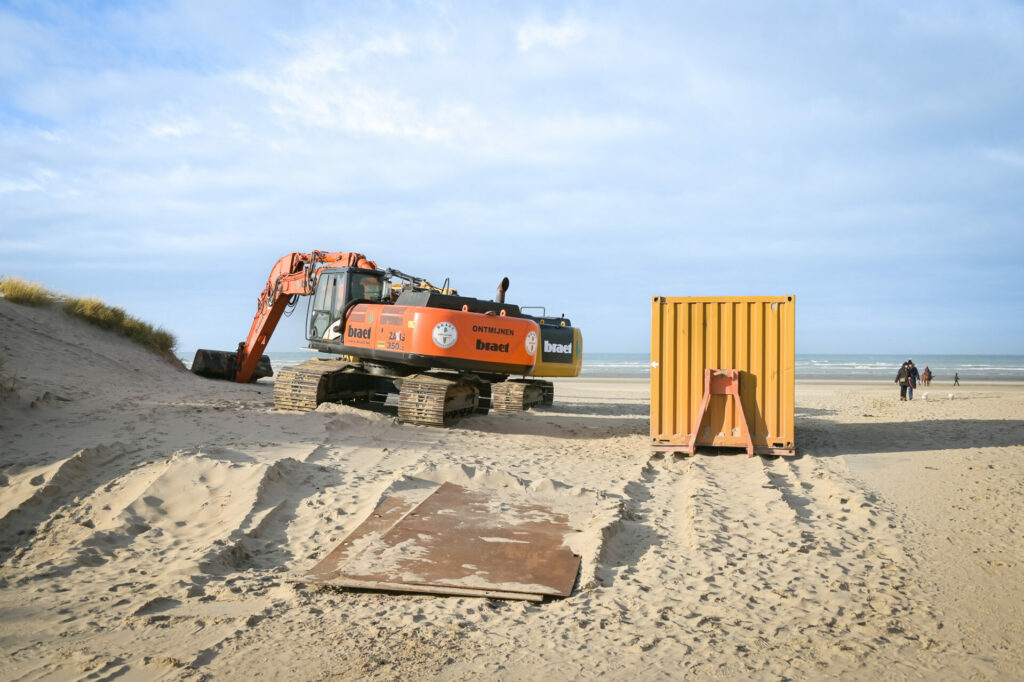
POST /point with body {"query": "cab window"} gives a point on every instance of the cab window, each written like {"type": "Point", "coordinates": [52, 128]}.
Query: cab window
{"type": "Point", "coordinates": [366, 286]}
{"type": "Point", "coordinates": [326, 304]}
{"type": "Point", "coordinates": [324, 297]}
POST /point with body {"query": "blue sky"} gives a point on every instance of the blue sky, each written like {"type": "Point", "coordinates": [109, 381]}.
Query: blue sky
{"type": "Point", "coordinates": [867, 158]}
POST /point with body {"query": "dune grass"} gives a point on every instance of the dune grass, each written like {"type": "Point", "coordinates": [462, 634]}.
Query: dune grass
{"type": "Point", "coordinates": [92, 311]}
{"type": "Point", "coordinates": [18, 290]}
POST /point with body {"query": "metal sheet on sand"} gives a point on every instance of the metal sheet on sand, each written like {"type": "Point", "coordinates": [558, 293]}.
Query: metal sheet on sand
{"type": "Point", "coordinates": [459, 541]}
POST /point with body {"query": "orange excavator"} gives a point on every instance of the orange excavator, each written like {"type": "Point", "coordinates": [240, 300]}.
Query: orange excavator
{"type": "Point", "coordinates": [388, 333]}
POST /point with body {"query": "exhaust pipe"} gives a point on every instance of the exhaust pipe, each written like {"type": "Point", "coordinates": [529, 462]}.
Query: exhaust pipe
{"type": "Point", "coordinates": [499, 296]}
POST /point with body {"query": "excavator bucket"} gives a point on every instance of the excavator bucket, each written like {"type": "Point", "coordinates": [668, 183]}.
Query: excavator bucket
{"type": "Point", "coordinates": [222, 364]}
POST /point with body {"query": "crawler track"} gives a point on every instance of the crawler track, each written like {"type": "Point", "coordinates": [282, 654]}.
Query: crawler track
{"type": "Point", "coordinates": [424, 399]}
{"type": "Point", "coordinates": [305, 386]}
{"type": "Point", "coordinates": [432, 400]}
{"type": "Point", "coordinates": [521, 394]}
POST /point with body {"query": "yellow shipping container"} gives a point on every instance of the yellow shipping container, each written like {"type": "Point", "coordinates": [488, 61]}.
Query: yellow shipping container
{"type": "Point", "coordinates": [753, 334]}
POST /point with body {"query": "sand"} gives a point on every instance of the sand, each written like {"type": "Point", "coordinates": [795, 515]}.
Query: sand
{"type": "Point", "coordinates": [157, 525]}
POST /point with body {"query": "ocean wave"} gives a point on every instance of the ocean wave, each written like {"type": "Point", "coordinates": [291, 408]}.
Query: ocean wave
{"type": "Point", "coordinates": [637, 365]}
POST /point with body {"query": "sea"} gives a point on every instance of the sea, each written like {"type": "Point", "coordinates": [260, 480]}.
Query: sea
{"type": "Point", "coordinates": [822, 367]}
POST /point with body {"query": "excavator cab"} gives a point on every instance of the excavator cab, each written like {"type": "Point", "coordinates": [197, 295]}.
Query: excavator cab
{"type": "Point", "coordinates": [337, 290]}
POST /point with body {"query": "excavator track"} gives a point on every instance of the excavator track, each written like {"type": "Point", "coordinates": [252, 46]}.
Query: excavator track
{"type": "Point", "coordinates": [517, 395]}
{"type": "Point", "coordinates": [303, 387]}
{"type": "Point", "coordinates": [433, 400]}
{"type": "Point", "coordinates": [548, 392]}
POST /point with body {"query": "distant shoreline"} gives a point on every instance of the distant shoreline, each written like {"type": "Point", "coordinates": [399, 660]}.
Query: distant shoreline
{"type": "Point", "coordinates": [964, 383]}
{"type": "Point", "coordinates": [867, 368]}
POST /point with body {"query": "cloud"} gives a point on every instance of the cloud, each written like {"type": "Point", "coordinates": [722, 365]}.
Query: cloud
{"type": "Point", "coordinates": [39, 180]}
{"type": "Point", "coordinates": [336, 102]}
{"type": "Point", "coordinates": [423, 88]}
{"type": "Point", "coordinates": [8, 186]}
{"type": "Point", "coordinates": [175, 127]}
{"type": "Point", "coordinates": [336, 81]}
{"type": "Point", "coordinates": [1009, 157]}
{"type": "Point", "coordinates": [537, 34]}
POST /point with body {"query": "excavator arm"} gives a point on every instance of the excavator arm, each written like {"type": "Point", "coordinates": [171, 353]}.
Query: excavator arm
{"type": "Point", "coordinates": [293, 275]}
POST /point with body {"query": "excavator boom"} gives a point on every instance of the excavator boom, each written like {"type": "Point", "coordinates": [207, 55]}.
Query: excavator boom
{"type": "Point", "coordinates": [293, 275]}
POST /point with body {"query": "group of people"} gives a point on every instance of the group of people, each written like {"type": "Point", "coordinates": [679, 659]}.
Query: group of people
{"type": "Point", "coordinates": [908, 376]}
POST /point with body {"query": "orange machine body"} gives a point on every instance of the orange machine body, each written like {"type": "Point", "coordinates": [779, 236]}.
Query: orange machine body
{"type": "Point", "coordinates": [434, 337]}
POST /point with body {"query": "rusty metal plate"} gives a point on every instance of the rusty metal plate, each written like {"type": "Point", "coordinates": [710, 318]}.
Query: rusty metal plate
{"type": "Point", "coordinates": [456, 541]}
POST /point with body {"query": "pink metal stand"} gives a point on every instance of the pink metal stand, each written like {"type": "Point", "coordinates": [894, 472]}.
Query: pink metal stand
{"type": "Point", "coordinates": [721, 382]}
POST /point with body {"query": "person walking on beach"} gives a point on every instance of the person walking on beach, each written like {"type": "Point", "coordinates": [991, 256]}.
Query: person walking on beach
{"type": "Point", "coordinates": [902, 379]}
{"type": "Point", "coordinates": [956, 378]}
{"type": "Point", "coordinates": [912, 377]}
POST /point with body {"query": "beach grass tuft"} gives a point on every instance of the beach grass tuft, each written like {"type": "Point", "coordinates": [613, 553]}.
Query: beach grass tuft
{"type": "Point", "coordinates": [17, 290]}
{"type": "Point", "coordinates": [93, 311]}
{"type": "Point", "coordinates": [97, 312]}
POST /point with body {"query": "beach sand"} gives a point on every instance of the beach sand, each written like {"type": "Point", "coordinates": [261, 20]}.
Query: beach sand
{"type": "Point", "coordinates": [157, 525]}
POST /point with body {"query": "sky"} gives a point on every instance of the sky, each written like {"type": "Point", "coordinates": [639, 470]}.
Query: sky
{"type": "Point", "coordinates": [864, 157]}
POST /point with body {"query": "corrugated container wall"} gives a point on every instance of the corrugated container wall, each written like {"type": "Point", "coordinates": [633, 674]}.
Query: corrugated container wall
{"type": "Point", "coordinates": [755, 335]}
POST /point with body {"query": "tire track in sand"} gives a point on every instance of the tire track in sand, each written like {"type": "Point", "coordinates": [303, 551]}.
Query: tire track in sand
{"type": "Point", "coordinates": [782, 563]}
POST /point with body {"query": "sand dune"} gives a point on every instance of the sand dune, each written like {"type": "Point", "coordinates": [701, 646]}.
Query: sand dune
{"type": "Point", "coordinates": [157, 525]}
